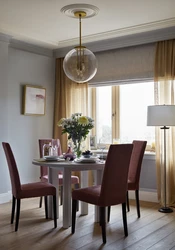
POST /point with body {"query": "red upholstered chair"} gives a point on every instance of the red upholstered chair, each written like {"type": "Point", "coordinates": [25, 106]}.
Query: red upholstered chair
{"type": "Point", "coordinates": [134, 173]}
{"type": "Point", "coordinates": [44, 169]}
{"type": "Point", "coordinates": [113, 189]}
{"type": "Point", "coordinates": [135, 170]}
{"type": "Point", "coordinates": [29, 190]}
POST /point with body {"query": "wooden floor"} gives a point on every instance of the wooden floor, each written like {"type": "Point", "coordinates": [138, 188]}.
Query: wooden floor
{"type": "Point", "coordinates": [154, 230]}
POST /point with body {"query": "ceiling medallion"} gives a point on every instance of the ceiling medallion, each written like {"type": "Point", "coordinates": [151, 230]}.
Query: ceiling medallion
{"type": "Point", "coordinates": [90, 10]}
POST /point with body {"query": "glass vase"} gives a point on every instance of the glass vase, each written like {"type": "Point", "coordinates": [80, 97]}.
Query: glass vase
{"type": "Point", "coordinates": [77, 147]}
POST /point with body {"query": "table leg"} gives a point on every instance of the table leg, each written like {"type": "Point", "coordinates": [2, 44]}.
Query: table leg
{"type": "Point", "coordinates": [97, 178]}
{"type": "Point", "coordinates": [84, 183]}
{"type": "Point", "coordinates": [53, 179]}
{"type": "Point", "coordinates": [67, 197]}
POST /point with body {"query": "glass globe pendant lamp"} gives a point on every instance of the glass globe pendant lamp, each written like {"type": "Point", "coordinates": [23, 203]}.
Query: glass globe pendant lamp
{"type": "Point", "coordinates": [80, 64]}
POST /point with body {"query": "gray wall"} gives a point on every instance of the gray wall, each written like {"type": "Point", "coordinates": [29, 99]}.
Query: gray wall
{"type": "Point", "coordinates": [4, 183]}
{"type": "Point", "coordinates": [18, 68]}
{"type": "Point", "coordinates": [148, 173]}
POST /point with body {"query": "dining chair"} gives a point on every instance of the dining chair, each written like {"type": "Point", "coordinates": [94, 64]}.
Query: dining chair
{"type": "Point", "coordinates": [29, 190]}
{"type": "Point", "coordinates": [44, 170]}
{"type": "Point", "coordinates": [134, 173]}
{"type": "Point", "coordinates": [113, 189]}
{"type": "Point", "coordinates": [135, 170]}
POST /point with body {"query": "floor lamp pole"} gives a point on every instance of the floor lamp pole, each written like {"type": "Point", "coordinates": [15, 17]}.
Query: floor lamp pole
{"type": "Point", "coordinates": [165, 209]}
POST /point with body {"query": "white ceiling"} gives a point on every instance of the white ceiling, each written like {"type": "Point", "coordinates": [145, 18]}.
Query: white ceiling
{"type": "Point", "coordinates": [40, 22]}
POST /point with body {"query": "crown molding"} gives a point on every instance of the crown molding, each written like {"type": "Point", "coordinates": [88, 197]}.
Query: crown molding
{"type": "Point", "coordinates": [5, 38]}
{"type": "Point", "coordinates": [120, 32]}
{"type": "Point", "coordinates": [124, 41]}
{"type": "Point", "coordinates": [137, 35]}
{"type": "Point", "coordinates": [30, 48]}
{"type": "Point", "coordinates": [13, 43]}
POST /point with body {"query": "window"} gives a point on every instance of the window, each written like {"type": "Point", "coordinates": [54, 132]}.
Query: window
{"type": "Point", "coordinates": [134, 99]}
{"type": "Point", "coordinates": [103, 115]}
{"type": "Point", "coordinates": [121, 113]}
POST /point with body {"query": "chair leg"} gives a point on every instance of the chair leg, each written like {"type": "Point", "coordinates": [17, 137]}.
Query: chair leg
{"type": "Point", "coordinates": [55, 211]}
{"type": "Point", "coordinates": [77, 186]}
{"type": "Point", "coordinates": [124, 219]}
{"type": "Point", "coordinates": [40, 201]}
{"type": "Point", "coordinates": [13, 209]}
{"type": "Point", "coordinates": [17, 214]}
{"type": "Point", "coordinates": [109, 212]}
{"type": "Point", "coordinates": [61, 195]}
{"type": "Point", "coordinates": [74, 209]}
{"type": "Point", "coordinates": [137, 202]}
{"type": "Point", "coordinates": [46, 206]}
{"type": "Point", "coordinates": [127, 201]}
{"type": "Point", "coordinates": [103, 223]}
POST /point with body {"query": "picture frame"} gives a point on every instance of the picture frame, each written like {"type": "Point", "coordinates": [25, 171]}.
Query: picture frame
{"type": "Point", "coordinates": [34, 100]}
{"type": "Point", "coordinates": [93, 142]}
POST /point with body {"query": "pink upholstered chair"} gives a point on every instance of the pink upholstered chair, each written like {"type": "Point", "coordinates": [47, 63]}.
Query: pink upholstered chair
{"type": "Point", "coordinates": [29, 190]}
{"type": "Point", "coordinates": [44, 169]}
{"type": "Point", "coordinates": [134, 173]}
{"type": "Point", "coordinates": [113, 189]}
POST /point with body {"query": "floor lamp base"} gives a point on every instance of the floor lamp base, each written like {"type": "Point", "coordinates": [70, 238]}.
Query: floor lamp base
{"type": "Point", "coordinates": [165, 210]}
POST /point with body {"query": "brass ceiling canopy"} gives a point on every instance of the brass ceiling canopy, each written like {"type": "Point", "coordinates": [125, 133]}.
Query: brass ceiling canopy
{"type": "Point", "coordinates": [80, 13]}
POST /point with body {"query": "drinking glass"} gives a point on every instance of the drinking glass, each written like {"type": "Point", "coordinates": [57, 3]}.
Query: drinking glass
{"type": "Point", "coordinates": [101, 146]}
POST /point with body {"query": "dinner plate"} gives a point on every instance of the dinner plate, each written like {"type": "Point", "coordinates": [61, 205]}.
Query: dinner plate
{"type": "Point", "coordinates": [51, 157]}
{"type": "Point", "coordinates": [54, 158]}
{"type": "Point", "coordinates": [85, 160]}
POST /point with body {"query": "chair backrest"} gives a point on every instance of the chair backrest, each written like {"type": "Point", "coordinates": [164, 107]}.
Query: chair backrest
{"type": "Point", "coordinates": [14, 175]}
{"type": "Point", "coordinates": [136, 162]}
{"type": "Point", "coordinates": [54, 142]}
{"type": "Point", "coordinates": [115, 176]}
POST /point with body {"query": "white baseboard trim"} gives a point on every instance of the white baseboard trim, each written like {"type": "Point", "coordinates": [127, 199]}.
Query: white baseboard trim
{"type": "Point", "coordinates": [148, 195]}
{"type": "Point", "coordinates": [5, 197]}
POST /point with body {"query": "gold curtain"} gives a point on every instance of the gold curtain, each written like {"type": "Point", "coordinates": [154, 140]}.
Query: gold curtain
{"type": "Point", "coordinates": [164, 78]}
{"type": "Point", "coordinates": [70, 97]}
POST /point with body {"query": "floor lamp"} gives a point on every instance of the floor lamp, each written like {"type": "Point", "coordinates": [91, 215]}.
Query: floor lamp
{"type": "Point", "coordinates": [163, 116]}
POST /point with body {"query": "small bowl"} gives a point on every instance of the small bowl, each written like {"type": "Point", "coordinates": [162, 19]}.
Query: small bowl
{"type": "Point", "coordinates": [86, 156]}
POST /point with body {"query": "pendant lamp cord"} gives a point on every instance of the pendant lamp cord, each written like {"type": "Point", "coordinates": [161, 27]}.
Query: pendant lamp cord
{"type": "Point", "coordinates": [80, 59]}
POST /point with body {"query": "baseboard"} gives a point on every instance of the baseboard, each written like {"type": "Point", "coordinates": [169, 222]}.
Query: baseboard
{"type": "Point", "coordinates": [145, 195]}
{"type": "Point", "coordinates": [5, 197]}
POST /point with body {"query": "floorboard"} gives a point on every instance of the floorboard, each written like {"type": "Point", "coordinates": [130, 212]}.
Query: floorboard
{"type": "Point", "coordinates": [154, 230]}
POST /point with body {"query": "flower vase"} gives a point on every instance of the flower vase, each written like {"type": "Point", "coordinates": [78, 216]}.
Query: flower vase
{"type": "Point", "coordinates": [77, 148]}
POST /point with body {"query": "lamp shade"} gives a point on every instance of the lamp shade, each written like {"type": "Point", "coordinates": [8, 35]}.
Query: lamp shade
{"type": "Point", "coordinates": [161, 115]}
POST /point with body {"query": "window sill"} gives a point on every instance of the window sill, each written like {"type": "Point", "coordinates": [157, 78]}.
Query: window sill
{"type": "Point", "coordinates": [148, 155]}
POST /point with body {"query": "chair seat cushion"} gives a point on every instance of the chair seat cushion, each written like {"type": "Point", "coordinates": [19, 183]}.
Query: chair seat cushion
{"type": "Point", "coordinates": [36, 189]}
{"type": "Point", "coordinates": [90, 194]}
{"type": "Point", "coordinates": [74, 179]}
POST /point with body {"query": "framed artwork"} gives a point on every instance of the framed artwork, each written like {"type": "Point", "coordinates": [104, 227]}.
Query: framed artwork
{"type": "Point", "coordinates": [34, 100]}
{"type": "Point", "coordinates": [93, 142]}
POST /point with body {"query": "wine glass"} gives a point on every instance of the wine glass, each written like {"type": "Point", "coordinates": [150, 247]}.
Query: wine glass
{"type": "Point", "coordinates": [101, 146]}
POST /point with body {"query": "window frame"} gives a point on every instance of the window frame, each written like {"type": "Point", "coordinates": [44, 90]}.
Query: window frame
{"type": "Point", "coordinates": [115, 106]}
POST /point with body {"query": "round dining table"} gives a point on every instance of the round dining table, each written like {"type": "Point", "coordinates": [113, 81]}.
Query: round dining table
{"type": "Point", "coordinates": [67, 167]}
